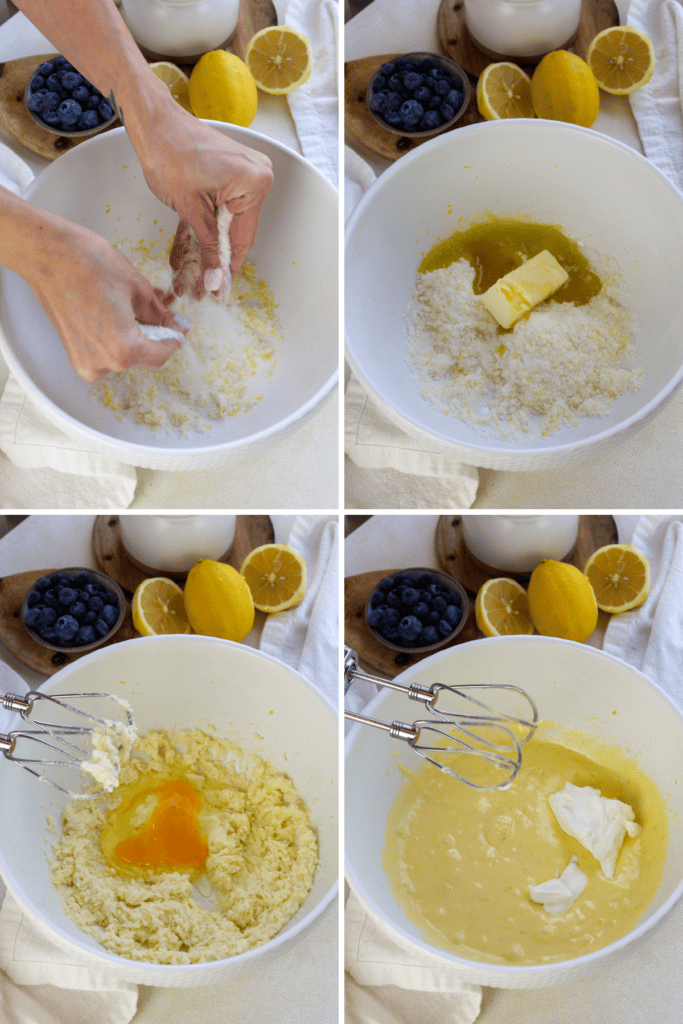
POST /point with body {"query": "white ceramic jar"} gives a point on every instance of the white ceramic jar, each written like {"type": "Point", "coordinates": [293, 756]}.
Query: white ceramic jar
{"type": "Point", "coordinates": [519, 543]}
{"type": "Point", "coordinates": [175, 543]}
{"type": "Point", "coordinates": [522, 28]}
{"type": "Point", "coordinates": [180, 28]}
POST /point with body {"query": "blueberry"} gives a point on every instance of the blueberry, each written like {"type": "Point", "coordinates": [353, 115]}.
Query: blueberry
{"type": "Point", "coordinates": [409, 628]}
{"type": "Point", "coordinates": [434, 588]}
{"type": "Point", "coordinates": [48, 617]}
{"type": "Point", "coordinates": [92, 588]}
{"type": "Point", "coordinates": [69, 112]}
{"type": "Point", "coordinates": [405, 64]}
{"type": "Point", "coordinates": [89, 618]}
{"type": "Point", "coordinates": [394, 599]}
{"type": "Point", "coordinates": [53, 82]}
{"type": "Point", "coordinates": [105, 110]}
{"type": "Point", "coordinates": [392, 617]}
{"type": "Point", "coordinates": [44, 583]}
{"type": "Point", "coordinates": [430, 120]}
{"type": "Point", "coordinates": [96, 604]}
{"type": "Point", "coordinates": [452, 614]}
{"type": "Point", "coordinates": [32, 618]}
{"type": "Point", "coordinates": [444, 628]}
{"type": "Point", "coordinates": [35, 101]}
{"type": "Point", "coordinates": [393, 118]}
{"type": "Point", "coordinates": [403, 577]}
{"type": "Point", "coordinates": [34, 597]}
{"type": "Point", "coordinates": [379, 82]}
{"type": "Point", "coordinates": [391, 634]}
{"type": "Point", "coordinates": [434, 103]}
{"type": "Point", "coordinates": [411, 112]}
{"type": "Point", "coordinates": [442, 88]}
{"type": "Point", "coordinates": [412, 80]}
{"type": "Point", "coordinates": [60, 61]}
{"type": "Point", "coordinates": [377, 101]}
{"type": "Point", "coordinates": [434, 617]}
{"type": "Point", "coordinates": [423, 95]}
{"type": "Point", "coordinates": [376, 618]}
{"type": "Point", "coordinates": [102, 627]}
{"type": "Point", "coordinates": [93, 102]}
{"type": "Point", "coordinates": [66, 628]}
{"type": "Point", "coordinates": [387, 69]}
{"type": "Point", "coordinates": [86, 635]}
{"type": "Point", "coordinates": [81, 94]}
{"type": "Point", "coordinates": [48, 633]}
{"type": "Point", "coordinates": [429, 635]}
{"type": "Point", "coordinates": [377, 598]}
{"type": "Point", "coordinates": [392, 101]}
{"type": "Point", "coordinates": [447, 111]}
{"type": "Point", "coordinates": [109, 597]}
{"type": "Point", "coordinates": [78, 610]}
{"type": "Point", "coordinates": [37, 82]}
{"type": "Point", "coordinates": [88, 120]}
{"type": "Point", "coordinates": [438, 73]}
{"type": "Point", "coordinates": [46, 69]}
{"type": "Point", "coordinates": [80, 581]}
{"type": "Point", "coordinates": [51, 101]}
{"type": "Point", "coordinates": [453, 98]}
{"type": "Point", "coordinates": [66, 595]}
{"type": "Point", "coordinates": [409, 596]}
{"type": "Point", "coordinates": [421, 610]}
{"type": "Point", "coordinates": [110, 614]}
{"type": "Point", "coordinates": [387, 584]}
{"type": "Point", "coordinates": [439, 604]}
{"type": "Point", "coordinates": [50, 598]}
{"type": "Point", "coordinates": [453, 598]}
{"type": "Point", "coordinates": [427, 64]}
{"type": "Point", "coordinates": [71, 80]}
{"type": "Point", "coordinates": [395, 82]}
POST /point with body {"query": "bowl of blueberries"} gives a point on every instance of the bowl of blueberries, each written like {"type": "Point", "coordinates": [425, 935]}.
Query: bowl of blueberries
{"type": "Point", "coordinates": [418, 94]}
{"type": "Point", "coordinates": [73, 609]}
{"type": "Point", "coordinates": [63, 102]}
{"type": "Point", "coordinates": [416, 610]}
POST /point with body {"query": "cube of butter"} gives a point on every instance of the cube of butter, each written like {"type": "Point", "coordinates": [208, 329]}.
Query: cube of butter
{"type": "Point", "coordinates": [524, 287]}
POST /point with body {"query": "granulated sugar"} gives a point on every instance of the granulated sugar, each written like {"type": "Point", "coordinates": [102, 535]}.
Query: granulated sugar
{"type": "Point", "coordinates": [561, 362]}
{"type": "Point", "coordinates": [223, 368]}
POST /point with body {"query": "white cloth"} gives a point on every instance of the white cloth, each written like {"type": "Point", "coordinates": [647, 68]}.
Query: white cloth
{"type": "Point", "coordinates": [41, 983]}
{"type": "Point", "coordinates": [428, 991]}
{"type": "Point", "coordinates": [307, 635]}
{"type": "Point", "coordinates": [650, 637]}
{"type": "Point", "coordinates": [388, 468]}
{"type": "Point", "coordinates": [315, 104]}
{"type": "Point", "coordinates": [657, 106]}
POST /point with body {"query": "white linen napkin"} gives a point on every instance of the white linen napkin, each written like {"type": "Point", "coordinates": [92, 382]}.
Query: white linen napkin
{"type": "Point", "coordinates": [315, 104]}
{"type": "Point", "coordinates": [427, 990]}
{"type": "Point", "coordinates": [657, 106]}
{"type": "Point", "coordinates": [40, 983]}
{"type": "Point", "coordinates": [649, 637]}
{"type": "Point", "coordinates": [307, 635]}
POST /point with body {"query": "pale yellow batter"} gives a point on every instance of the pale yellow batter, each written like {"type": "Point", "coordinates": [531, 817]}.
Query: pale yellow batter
{"type": "Point", "coordinates": [461, 861]}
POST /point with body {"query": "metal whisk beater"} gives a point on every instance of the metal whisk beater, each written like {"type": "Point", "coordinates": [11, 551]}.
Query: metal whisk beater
{"type": "Point", "coordinates": [54, 736]}
{"type": "Point", "coordinates": [456, 731]}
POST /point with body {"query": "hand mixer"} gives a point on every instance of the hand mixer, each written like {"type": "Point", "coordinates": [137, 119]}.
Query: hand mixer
{"type": "Point", "coordinates": [456, 731]}
{"type": "Point", "coordinates": [54, 735]}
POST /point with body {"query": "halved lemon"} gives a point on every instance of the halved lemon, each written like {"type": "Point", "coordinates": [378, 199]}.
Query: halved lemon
{"type": "Point", "coordinates": [501, 608]}
{"type": "Point", "coordinates": [158, 607]}
{"type": "Point", "coordinates": [622, 59]}
{"type": "Point", "coordinates": [276, 577]}
{"type": "Point", "coordinates": [176, 80]}
{"type": "Point", "coordinates": [620, 577]}
{"type": "Point", "coordinates": [504, 90]}
{"type": "Point", "coordinates": [279, 58]}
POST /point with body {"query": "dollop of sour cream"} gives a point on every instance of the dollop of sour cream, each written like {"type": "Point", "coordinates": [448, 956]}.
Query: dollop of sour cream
{"type": "Point", "coordinates": [558, 894]}
{"type": "Point", "coordinates": [599, 824]}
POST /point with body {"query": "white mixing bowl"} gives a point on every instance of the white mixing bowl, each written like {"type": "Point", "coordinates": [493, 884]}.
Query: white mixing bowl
{"type": "Point", "coordinates": [100, 184]}
{"type": "Point", "coordinates": [598, 190]}
{"type": "Point", "coordinates": [186, 681]}
{"type": "Point", "coordinates": [577, 687]}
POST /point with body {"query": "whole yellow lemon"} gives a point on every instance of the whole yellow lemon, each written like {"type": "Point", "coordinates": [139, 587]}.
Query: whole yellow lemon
{"type": "Point", "coordinates": [563, 88]}
{"type": "Point", "coordinates": [222, 88]}
{"type": "Point", "coordinates": [218, 601]}
{"type": "Point", "coordinates": [561, 601]}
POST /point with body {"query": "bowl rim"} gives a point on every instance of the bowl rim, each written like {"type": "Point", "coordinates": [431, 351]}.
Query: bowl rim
{"type": "Point", "coordinates": [502, 972]}
{"type": "Point", "coordinates": [128, 450]}
{"type": "Point", "coordinates": [108, 582]}
{"type": "Point", "coordinates": [458, 588]}
{"type": "Point", "coordinates": [430, 132]}
{"type": "Point", "coordinates": [475, 450]}
{"type": "Point", "coordinates": [83, 134]}
{"type": "Point", "coordinates": [119, 964]}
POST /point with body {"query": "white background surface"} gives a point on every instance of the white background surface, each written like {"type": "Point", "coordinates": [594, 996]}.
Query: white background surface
{"type": "Point", "coordinates": [302, 985]}
{"type": "Point", "coordinates": [280, 478]}
{"type": "Point", "coordinates": [643, 472]}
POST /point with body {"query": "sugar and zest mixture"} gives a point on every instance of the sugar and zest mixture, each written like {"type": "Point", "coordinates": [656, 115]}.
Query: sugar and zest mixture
{"type": "Point", "coordinates": [223, 368]}
{"type": "Point", "coordinates": [559, 363]}
{"type": "Point", "coordinates": [263, 855]}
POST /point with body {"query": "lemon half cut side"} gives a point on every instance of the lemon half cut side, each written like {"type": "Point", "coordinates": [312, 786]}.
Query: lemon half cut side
{"type": "Point", "coordinates": [279, 58]}
{"type": "Point", "coordinates": [158, 608]}
{"type": "Point", "coordinates": [501, 609]}
{"type": "Point", "coordinates": [504, 90]}
{"type": "Point", "coordinates": [276, 577]}
{"type": "Point", "coordinates": [622, 58]}
{"type": "Point", "coordinates": [620, 577]}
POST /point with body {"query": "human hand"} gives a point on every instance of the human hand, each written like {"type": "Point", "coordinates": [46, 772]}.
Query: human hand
{"type": "Point", "coordinates": [194, 169]}
{"type": "Point", "coordinates": [94, 296]}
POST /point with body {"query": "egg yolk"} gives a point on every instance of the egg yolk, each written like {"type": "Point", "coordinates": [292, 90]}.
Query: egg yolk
{"type": "Point", "coordinates": [172, 838]}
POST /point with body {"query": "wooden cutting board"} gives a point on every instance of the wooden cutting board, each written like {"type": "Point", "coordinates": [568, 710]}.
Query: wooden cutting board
{"type": "Point", "coordinates": [17, 640]}
{"type": "Point", "coordinates": [455, 42]}
{"type": "Point", "coordinates": [14, 74]}
{"type": "Point", "coordinates": [594, 533]}
{"type": "Point", "coordinates": [111, 556]}
{"type": "Point", "coordinates": [372, 655]}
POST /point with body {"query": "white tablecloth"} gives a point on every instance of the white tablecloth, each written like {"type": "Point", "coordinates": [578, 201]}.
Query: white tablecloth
{"type": "Point", "coordinates": [303, 984]}
{"type": "Point", "coordinates": [281, 477]}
